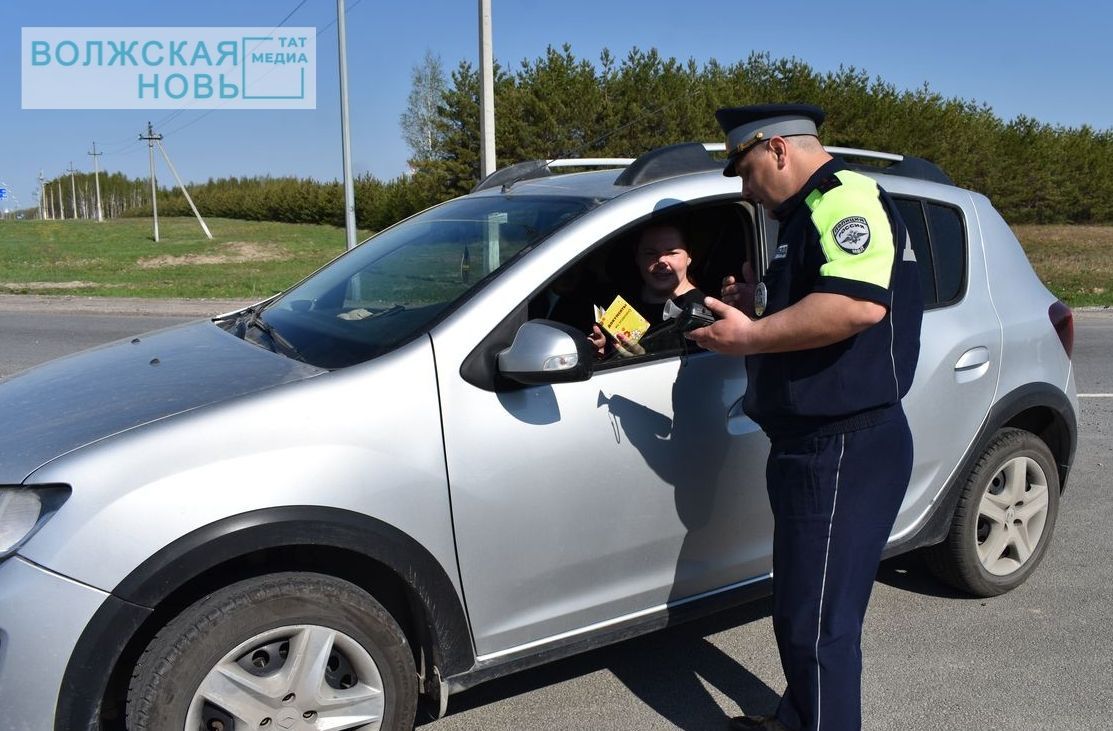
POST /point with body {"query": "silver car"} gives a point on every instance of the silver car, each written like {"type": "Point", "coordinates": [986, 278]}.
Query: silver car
{"type": "Point", "coordinates": [409, 474]}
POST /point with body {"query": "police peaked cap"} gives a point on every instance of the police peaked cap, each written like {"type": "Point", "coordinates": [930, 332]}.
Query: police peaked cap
{"type": "Point", "coordinates": [747, 126]}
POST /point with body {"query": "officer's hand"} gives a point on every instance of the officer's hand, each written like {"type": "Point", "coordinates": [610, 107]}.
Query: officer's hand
{"type": "Point", "coordinates": [731, 334]}
{"type": "Point", "coordinates": [740, 294]}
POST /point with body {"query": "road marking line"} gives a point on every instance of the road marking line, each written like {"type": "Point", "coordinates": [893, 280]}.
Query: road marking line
{"type": "Point", "coordinates": [1095, 395]}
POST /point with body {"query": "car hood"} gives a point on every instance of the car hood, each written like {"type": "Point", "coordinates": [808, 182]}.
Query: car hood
{"type": "Point", "coordinates": [67, 403]}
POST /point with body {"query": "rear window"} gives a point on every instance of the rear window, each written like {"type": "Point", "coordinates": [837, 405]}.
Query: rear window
{"type": "Point", "coordinates": [912, 211]}
{"type": "Point", "coordinates": [948, 242]}
{"type": "Point", "coordinates": [939, 240]}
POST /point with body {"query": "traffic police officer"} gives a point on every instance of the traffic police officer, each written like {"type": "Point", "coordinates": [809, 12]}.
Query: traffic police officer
{"type": "Point", "coordinates": [832, 348]}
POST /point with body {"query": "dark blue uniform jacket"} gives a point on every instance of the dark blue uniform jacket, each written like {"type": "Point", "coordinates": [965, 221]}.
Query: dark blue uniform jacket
{"type": "Point", "coordinates": [840, 233]}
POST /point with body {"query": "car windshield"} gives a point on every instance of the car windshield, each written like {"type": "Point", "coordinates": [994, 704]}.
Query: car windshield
{"type": "Point", "coordinates": [396, 284]}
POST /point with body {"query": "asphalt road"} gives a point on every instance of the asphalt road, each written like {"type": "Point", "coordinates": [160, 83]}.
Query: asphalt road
{"type": "Point", "coordinates": [1037, 658]}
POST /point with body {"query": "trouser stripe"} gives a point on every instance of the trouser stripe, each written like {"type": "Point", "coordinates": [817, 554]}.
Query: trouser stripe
{"type": "Point", "coordinates": [822, 588]}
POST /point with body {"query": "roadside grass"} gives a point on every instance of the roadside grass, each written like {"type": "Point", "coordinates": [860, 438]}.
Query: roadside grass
{"type": "Point", "coordinates": [253, 259]}
{"type": "Point", "coordinates": [1074, 262]}
{"type": "Point", "coordinates": [119, 258]}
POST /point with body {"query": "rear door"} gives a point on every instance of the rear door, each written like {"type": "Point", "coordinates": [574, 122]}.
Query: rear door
{"type": "Point", "coordinates": [960, 342]}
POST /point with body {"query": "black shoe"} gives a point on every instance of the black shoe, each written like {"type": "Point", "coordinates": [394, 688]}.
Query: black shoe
{"type": "Point", "coordinates": [756, 723]}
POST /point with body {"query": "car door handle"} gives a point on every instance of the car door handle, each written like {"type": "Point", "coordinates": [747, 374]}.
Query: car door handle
{"type": "Point", "coordinates": [972, 364]}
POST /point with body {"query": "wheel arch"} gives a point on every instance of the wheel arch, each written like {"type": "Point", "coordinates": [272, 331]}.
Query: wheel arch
{"type": "Point", "coordinates": [1040, 408]}
{"type": "Point", "coordinates": [1049, 425]}
{"type": "Point", "coordinates": [387, 563]}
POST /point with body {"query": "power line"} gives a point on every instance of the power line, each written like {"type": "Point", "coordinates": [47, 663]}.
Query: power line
{"type": "Point", "coordinates": [289, 15]}
{"type": "Point", "coordinates": [118, 149]}
{"type": "Point", "coordinates": [167, 119]}
{"type": "Point", "coordinates": [207, 112]}
{"type": "Point", "coordinates": [348, 9]}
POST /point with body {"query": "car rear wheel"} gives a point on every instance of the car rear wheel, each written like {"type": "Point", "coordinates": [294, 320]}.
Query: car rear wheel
{"type": "Point", "coordinates": [283, 651]}
{"type": "Point", "coordinates": [1004, 518]}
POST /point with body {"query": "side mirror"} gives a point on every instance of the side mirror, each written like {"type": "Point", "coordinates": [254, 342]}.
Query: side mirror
{"type": "Point", "coordinates": [544, 351]}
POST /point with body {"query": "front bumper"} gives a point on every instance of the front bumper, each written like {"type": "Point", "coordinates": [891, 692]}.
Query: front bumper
{"type": "Point", "coordinates": [42, 616]}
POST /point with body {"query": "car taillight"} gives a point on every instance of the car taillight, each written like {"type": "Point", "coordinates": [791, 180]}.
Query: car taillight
{"type": "Point", "coordinates": [1062, 319]}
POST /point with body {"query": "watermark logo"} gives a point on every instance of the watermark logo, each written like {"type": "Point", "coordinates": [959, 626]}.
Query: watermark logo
{"type": "Point", "coordinates": [169, 68]}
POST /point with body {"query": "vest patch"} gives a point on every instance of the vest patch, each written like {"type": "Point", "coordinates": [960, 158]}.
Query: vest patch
{"type": "Point", "coordinates": [852, 234]}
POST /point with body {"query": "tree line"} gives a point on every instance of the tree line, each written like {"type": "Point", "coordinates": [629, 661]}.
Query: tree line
{"type": "Point", "coordinates": [559, 105]}
{"type": "Point", "coordinates": [64, 197]}
{"type": "Point", "coordinates": [298, 200]}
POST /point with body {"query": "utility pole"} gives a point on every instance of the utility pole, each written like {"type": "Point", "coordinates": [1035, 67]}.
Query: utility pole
{"type": "Point", "coordinates": [182, 186]}
{"type": "Point", "coordinates": [73, 190]}
{"type": "Point", "coordinates": [42, 198]}
{"type": "Point", "coordinates": [96, 177]}
{"type": "Point", "coordinates": [487, 92]}
{"type": "Point", "coordinates": [151, 138]}
{"type": "Point", "coordinates": [345, 141]}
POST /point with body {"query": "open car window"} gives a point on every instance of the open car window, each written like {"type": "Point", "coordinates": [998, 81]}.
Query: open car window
{"type": "Point", "coordinates": [720, 237]}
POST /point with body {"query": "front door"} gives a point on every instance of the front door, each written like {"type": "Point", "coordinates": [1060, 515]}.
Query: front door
{"type": "Point", "coordinates": [577, 504]}
{"type": "Point", "coordinates": [583, 504]}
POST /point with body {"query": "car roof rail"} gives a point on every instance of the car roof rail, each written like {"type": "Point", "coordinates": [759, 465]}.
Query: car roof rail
{"type": "Point", "coordinates": [667, 162]}
{"type": "Point", "coordinates": [694, 157]}
{"type": "Point", "coordinates": [691, 157]}
{"type": "Point", "coordinates": [904, 166]}
{"type": "Point", "coordinates": [530, 169]}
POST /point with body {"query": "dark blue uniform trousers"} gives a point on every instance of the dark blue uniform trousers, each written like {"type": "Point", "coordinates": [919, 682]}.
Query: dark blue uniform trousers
{"type": "Point", "coordinates": [834, 499]}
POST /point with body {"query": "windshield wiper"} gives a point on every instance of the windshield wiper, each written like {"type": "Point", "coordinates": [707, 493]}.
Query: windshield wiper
{"type": "Point", "coordinates": [252, 317]}
{"type": "Point", "coordinates": [279, 344]}
{"type": "Point", "coordinates": [389, 311]}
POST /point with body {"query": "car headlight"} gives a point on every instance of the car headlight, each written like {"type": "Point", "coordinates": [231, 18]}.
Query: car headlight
{"type": "Point", "coordinates": [23, 510]}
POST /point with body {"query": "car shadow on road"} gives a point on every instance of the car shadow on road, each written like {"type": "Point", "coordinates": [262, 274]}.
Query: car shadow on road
{"type": "Point", "coordinates": [666, 670]}
{"type": "Point", "coordinates": [909, 572]}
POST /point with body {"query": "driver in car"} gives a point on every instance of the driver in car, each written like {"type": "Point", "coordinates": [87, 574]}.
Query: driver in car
{"type": "Point", "coordinates": [662, 258]}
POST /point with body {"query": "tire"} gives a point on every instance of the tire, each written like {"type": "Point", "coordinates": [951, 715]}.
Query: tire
{"type": "Point", "coordinates": [1004, 518]}
{"type": "Point", "coordinates": [298, 649]}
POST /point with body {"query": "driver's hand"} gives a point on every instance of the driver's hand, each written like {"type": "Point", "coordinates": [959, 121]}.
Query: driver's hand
{"type": "Point", "coordinates": [740, 295]}
{"type": "Point", "coordinates": [598, 341]}
{"type": "Point", "coordinates": [626, 349]}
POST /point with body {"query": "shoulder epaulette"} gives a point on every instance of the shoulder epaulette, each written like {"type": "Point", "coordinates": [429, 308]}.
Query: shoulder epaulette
{"type": "Point", "coordinates": [827, 184]}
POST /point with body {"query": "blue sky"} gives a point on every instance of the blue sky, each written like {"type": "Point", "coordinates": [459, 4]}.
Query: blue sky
{"type": "Point", "coordinates": [1044, 60]}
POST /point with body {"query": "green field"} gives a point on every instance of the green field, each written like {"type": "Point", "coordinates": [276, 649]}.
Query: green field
{"type": "Point", "coordinates": [1075, 262]}
{"type": "Point", "coordinates": [119, 258]}
{"type": "Point", "coordinates": [250, 259]}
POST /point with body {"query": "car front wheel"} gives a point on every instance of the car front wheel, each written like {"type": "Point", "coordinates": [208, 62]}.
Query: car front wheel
{"type": "Point", "coordinates": [1004, 518]}
{"type": "Point", "coordinates": [282, 651]}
